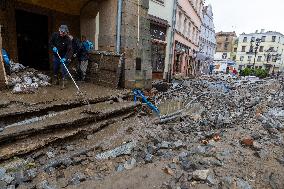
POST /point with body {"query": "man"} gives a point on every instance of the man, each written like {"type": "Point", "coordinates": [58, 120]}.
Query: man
{"type": "Point", "coordinates": [61, 45]}
{"type": "Point", "coordinates": [86, 47]}
{"type": "Point", "coordinates": [6, 61]}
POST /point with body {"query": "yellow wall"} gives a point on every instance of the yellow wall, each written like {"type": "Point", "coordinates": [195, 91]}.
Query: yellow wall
{"type": "Point", "coordinates": [72, 7]}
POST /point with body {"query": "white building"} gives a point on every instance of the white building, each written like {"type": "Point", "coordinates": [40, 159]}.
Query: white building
{"type": "Point", "coordinates": [207, 41]}
{"type": "Point", "coordinates": [267, 54]}
{"type": "Point", "coordinates": [161, 14]}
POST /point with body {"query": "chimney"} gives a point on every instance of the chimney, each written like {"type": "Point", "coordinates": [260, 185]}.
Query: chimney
{"type": "Point", "coordinates": [262, 30]}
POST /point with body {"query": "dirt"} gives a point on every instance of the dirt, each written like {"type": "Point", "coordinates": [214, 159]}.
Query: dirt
{"type": "Point", "coordinates": [203, 147]}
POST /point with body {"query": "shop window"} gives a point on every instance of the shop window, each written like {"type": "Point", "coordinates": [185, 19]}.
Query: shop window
{"type": "Point", "coordinates": [158, 32]}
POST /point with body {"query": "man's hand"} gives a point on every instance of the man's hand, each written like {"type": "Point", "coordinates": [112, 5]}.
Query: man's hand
{"type": "Point", "coordinates": [55, 50]}
{"type": "Point", "coordinates": [74, 55]}
{"type": "Point", "coordinates": [63, 60]}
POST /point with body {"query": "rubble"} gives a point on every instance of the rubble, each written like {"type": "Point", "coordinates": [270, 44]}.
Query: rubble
{"type": "Point", "coordinates": [26, 80]}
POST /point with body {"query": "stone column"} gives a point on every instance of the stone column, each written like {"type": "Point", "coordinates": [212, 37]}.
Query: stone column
{"type": "Point", "coordinates": [136, 44]}
{"type": "Point", "coordinates": [2, 69]}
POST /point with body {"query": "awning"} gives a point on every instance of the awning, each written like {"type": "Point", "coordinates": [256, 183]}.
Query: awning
{"type": "Point", "coordinates": [158, 21]}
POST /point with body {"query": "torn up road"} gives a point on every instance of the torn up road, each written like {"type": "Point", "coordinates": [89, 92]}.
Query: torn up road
{"type": "Point", "coordinates": [216, 132]}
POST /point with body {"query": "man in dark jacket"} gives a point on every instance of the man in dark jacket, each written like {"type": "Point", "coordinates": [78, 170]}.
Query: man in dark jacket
{"type": "Point", "coordinates": [61, 44]}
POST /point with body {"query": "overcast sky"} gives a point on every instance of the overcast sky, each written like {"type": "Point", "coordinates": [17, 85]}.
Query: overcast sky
{"type": "Point", "coordinates": [248, 15]}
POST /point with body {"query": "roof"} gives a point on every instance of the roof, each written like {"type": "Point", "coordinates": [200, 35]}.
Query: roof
{"type": "Point", "coordinates": [158, 21]}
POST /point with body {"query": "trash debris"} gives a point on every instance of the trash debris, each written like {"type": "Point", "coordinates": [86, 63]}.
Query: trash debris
{"type": "Point", "coordinates": [121, 150]}
{"type": "Point", "coordinates": [26, 80]}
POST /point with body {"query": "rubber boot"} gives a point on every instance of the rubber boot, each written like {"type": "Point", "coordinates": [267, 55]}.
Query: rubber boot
{"type": "Point", "coordinates": [63, 85]}
{"type": "Point", "coordinates": [55, 80]}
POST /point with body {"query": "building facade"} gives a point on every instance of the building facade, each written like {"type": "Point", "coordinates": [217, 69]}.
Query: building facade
{"type": "Point", "coordinates": [261, 50]}
{"type": "Point", "coordinates": [207, 41]}
{"type": "Point", "coordinates": [225, 45]}
{"type": "Point", "coordinates": [161, 19]}
{"type": "Point", "coordinates": [186, 38]}
{"type": "Point", "coordinates": [117, 26]}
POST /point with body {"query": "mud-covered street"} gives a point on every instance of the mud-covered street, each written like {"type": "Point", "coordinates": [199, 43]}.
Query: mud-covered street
{"type": "Point", "coordinates": [212, 132]}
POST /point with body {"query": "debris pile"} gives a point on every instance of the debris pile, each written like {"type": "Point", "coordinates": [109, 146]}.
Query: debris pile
{"type": "Point", "coordinates": [219, 132]}
{"type": "Point", "coordinates": [26, 80]}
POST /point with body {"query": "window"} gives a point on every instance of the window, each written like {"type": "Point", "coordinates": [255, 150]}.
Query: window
{"type": "Point", "coordinates": [259, 58]}
{"type": "Point", "coordinates": [226, 46]}
{"type": "Point", "coordinates": [227, 39]}
{"type": "Point", "coordinates": [235, 49]}
{"type": "Point", "coordinates": [253, 39]}
{"type": "Point", "coordinates": [263, 38]}
{"type": "Point", "coordinates": [189, 29]}
{"type": "Point", "coordinates": [179, 21]}
{"type": "Point", "coordinates": [249, 58]}
{"type": "Point", "coordinates": [241, 58]}
{"type": "Point", "coordinates": [273, 38]}
{"type": "Point", "coordinates": [261, 49]}
{"type": "Point", "coordinates": [243, 48]}
{"type": "Point", "coordinates": [245, 39]}
{"type": "Point", "coordinates": [184, 26]}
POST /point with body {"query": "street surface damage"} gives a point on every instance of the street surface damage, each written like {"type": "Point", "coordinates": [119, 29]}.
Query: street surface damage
{"type": "Point", "coordinates": [211, 132]}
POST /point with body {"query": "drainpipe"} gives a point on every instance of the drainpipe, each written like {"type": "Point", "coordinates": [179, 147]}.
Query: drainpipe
{"type": "Point", "coordinates": [118, 27]}
{"type": "Point", "coordinates": [172, 41]}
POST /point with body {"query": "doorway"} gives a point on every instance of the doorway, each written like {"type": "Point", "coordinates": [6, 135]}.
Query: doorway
{"type": "Point", "coordinates": [32, 39]}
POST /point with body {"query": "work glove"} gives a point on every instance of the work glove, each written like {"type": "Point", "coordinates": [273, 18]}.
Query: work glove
{"type": "Point", "coordinates": [63, 60]}
{"type": "Point", "coordinates": [55, 50]}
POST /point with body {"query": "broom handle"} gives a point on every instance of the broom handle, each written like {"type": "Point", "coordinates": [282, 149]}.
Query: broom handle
{"type": "Point", "coordinates": [69, 73]}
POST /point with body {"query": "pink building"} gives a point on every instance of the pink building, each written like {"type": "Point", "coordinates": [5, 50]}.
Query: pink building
{"type": "Point", "coordinates": [186, 37]}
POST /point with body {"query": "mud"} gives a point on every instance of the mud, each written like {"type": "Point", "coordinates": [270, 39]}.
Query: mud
{"type": "Point", "coordinates": [229, 135]}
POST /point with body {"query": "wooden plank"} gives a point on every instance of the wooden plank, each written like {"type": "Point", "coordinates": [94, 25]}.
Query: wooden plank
{"type": "Point", "coordinates": [3, 78]}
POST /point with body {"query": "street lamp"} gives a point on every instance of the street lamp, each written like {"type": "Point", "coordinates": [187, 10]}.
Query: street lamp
{"type": "Point", "coordinates": [257, 43]}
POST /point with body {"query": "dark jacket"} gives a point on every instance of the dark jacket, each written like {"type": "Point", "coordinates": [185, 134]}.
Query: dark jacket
{"type": "Point", "coordinates": [76, 46]}
{"type": "Point", "coordinates": [63, 44]}
{"type": "Point", "coordinates": [84, 54]}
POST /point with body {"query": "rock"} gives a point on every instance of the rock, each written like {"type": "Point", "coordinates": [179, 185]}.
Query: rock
{"type": "Point", "coordinates": [2, 172]}
{"type": "Point", "coordinates": [178, 144]}
{"type": "Point", "coordinates": [151, 149]}
{"type": "Point", "coordinates": [247, 141]}
{"type": "Point", "coordinates": [89, 137]}
{"type": "Point", "coordinates": [227, 183]}
{"type": "Point", "coordinates": [120, 168]}
{"type": "Point", "coordinates": [70, 147]}
{"type": "Point", "coordinates": [7, 178]}
{"type": "Point", "coordinates": [281, 160]}
{"type": "Point", "coordinates": [19, 177]}
{"type": "Point", "coordinates": [200, 174]}
{"type": "Point", "coordinates": [1, 129]}
{"type": "Point", "coordinates": [165, 145]}
{"type": "Point", "coordinates": [241, 184]}
{"type": "Point", "coordinates": [211, 180]}
{"type": "Point", "coordinates": [130, 164]}
{"type": "Point", "coordinates": [125, 149]}
{"type": "Point", "coordinates": [149, 158]}
{"type": "Point", "coordinates": [172, 165]}
{"type": "Point", "coordinates": [77, 178]}
{"type": "Point", "coordinates": [50, 155]}
{"type": "Point", "coordinates": [256, 145]}
{"type": "Point", "coordinates": [31, 174]}
{"type": "Point", "coordinates": [186, 165]}
{"type": "Point", "coordinates": [45, 185]}
{"type": "Point", "coordinates": [11, 187]}
{"type": "Point", "coordinates": [50, 170]}
{"type": "Point", "coordinates": [168, 171]}
{"type": "Point", "coordinates": [3, 184]}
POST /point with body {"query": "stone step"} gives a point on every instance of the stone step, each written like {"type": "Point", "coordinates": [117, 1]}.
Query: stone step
{"type": "Point", "coordinates": [23, 139]}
